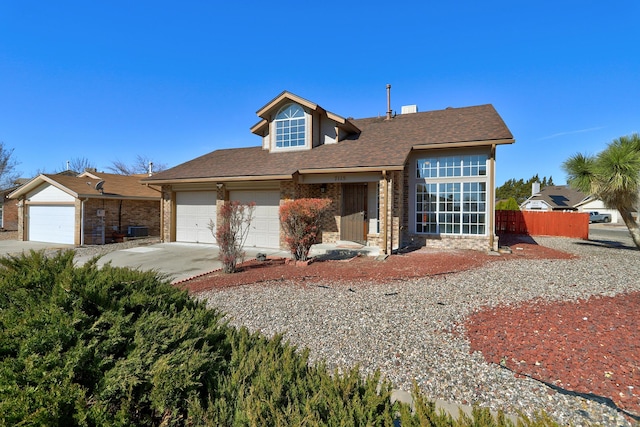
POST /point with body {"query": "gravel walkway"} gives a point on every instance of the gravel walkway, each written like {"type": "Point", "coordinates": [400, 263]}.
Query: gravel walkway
{"type": "Point", "coordinates": [411, 330]}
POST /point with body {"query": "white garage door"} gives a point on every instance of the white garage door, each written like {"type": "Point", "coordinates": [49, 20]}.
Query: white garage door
{"type": "Point", "coordinates": [265, 227]}
{"type": "Point", "coordinates": [194, 210]}
{"type": "Point", "coordinates": [52, 223]}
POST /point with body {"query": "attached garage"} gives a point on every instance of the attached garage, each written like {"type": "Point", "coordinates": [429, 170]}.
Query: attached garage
{"type": "Point", "coordinates": [51, 223]}
{"type": "Point", "coordinates": [194, 211]}
{"type": "Point", "coordinates": [264, 231]}
{"type": "Point", "coordinates": [85, 209]}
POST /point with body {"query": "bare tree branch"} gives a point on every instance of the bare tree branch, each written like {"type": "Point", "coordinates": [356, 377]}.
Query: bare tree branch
{"type": "Point", "coordinates": [8, 164]}
{"type": "Point", "coordinates": [141, 165]}
{"type": "Point", "coordinates": [77, 164]}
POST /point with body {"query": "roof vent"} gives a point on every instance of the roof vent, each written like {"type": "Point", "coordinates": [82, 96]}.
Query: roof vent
{"type": "Point", "coordinates": [408, 109]}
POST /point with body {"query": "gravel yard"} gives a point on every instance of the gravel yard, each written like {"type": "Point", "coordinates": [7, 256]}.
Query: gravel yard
{"type": "Point", "coordinates": [413, 329]}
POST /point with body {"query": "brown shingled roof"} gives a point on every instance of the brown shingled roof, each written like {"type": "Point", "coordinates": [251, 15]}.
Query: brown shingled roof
{"type": "Point", "coordinates": [383, 144]}
{"type": "Point", "coordinates": [115, 186]}
{"type": "Point", "coordinates": [560, 197]}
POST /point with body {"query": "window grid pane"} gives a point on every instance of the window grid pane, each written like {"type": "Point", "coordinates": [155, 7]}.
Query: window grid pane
{"type": "Point", "coordinates": [290, 127]}
{"type": "Point", "coordinates": [426, 205]}
{"type": "Point", "coordinates": [452, 166]}
{"type": "Point", "coordinates": [427, 168]}
{"type": "Point", "coordinates": [451, 208]}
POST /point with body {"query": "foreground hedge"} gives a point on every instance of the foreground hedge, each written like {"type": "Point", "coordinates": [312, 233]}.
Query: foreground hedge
{"type": "Point", "coordinates": [92, 347]}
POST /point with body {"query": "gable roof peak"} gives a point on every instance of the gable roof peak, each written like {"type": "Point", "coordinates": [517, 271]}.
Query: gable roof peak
{"type": "Point", "coordinates": [283, 98]}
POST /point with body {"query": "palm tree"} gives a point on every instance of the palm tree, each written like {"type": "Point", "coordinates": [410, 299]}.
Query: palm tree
{"type": "Point", "coordinates": [613, 176]}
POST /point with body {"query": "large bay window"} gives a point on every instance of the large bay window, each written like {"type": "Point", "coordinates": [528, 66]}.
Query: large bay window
{"type": "Point", "coordinates": [451, 195]}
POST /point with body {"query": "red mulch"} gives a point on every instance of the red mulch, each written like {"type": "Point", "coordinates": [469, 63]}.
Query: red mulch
{"type": "Point", "coordinates": [396, 267]}
{"type": "Point", "coordinates": [590, 346]}
{"type": "Point", "coordinates": [600, 355]}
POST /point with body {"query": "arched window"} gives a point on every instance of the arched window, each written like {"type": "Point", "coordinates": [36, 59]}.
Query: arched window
{"type": "Point", "coordinates": [290, 126]}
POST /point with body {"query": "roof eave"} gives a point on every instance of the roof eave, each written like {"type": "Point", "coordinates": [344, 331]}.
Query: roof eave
{"type": "Point", "coordinates": [353, 169]}
{"type": "Point", "coordinates": [259, 127]}
{"type": "Point", "coordinates": [117, 196]}
{"type": "Point", "coordinates": [219, 179]}
{"type": "Point", "coordinates": [463, 144]}
{"type": "Point", "coordinates": [35, 183]}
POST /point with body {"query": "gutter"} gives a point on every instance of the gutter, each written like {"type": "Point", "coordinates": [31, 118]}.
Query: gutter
{"type": "Point", "coordinates": [382, 169]}
{"type": "Point", "coordinates": [462, 144]}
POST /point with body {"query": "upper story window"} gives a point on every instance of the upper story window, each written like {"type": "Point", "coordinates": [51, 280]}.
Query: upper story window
{"type": "Point", "coordinates": [452, 166]}
{"type": "Point", "coordinates": [290, 126]}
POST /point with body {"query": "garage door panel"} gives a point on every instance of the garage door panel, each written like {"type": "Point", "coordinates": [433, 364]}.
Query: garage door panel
{"type": "Point", "coordinates": [264, 231]}
{"type": "Point", "coordinates": [194, 211]}
{"type": "Point", "coordinates": [52, 223]}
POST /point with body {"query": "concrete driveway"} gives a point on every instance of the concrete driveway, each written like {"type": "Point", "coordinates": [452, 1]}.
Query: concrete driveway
{"type": "Point", "coordinates": [179, 261]}
{"type": "Point", "coordinates": [15, 247]}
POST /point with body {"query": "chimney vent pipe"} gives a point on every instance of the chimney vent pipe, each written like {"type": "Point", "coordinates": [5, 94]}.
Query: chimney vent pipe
{"type": "Point", "coordinates": [388, 102]}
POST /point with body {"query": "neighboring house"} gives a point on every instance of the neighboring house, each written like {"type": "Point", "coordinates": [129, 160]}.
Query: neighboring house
{"type": "Point", "coordinates": [91, 208]}
{"type": "Point", "coordinates": [597, 205]}
{"type": "Point", "coordinates": [564, 198]}
{"type": "Point", "coordinates": [553, 198]}
{"type": "Point", "coordinates": [408, 180]}
{"type": "Point", "coordinates": [9, 208]}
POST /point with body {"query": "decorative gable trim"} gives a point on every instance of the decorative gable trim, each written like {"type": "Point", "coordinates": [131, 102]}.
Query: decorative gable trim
{"type": "Point", "coordinates": [33, 186]}
{"type": "Point", "coordinates": [284, 98]}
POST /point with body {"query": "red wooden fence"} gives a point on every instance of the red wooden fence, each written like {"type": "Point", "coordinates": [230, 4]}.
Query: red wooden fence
{"type": "Point", "coordinates": [533, 223]}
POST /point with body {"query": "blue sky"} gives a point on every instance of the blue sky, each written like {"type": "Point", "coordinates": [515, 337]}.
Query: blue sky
{"type": "Point", "coordinates": [174, 80]}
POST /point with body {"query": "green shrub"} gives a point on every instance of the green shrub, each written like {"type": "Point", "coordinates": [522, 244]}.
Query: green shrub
{"type": "Point", "coordinates": [115, 347]}
{"type": "Point", "coordinates": [507, 205]}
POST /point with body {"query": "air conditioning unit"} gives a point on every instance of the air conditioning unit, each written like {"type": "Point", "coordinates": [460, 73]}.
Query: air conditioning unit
{"type": "Point", "coordinates": [137, 231]}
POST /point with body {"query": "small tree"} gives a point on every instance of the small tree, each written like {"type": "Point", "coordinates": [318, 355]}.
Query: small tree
{"type": "Point", "coordinates": [613, 176]}
{"type": "Point", "coordinates": [507, 205]}
{"type": "Point", "coordinates": [301, 220]}
{"type": "Point", "coordinates": [231, 233]}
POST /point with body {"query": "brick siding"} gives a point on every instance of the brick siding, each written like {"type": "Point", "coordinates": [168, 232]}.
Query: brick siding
{"type": "Point", "coordinates": [119, 215]}
{"type": "Point", "coordinates": [9, 214]}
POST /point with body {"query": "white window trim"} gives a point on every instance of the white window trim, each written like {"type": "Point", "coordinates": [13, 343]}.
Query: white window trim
{"type": "Point", "coordinates": [414, 180]}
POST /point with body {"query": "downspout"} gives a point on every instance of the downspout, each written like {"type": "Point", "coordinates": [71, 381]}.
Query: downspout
{"type": "Point", "coordinates": [161, 230]}
{"type": "Point", "coordinates": [492, 199]}
{"type": "Point", "coordinates": [162, 239]}
{"type": "Point", "coordinates": [82, 221]}
{"type": "Point", "coordinates": [120, 217]}
{"type": "Point", "coordinates": [386, 212]}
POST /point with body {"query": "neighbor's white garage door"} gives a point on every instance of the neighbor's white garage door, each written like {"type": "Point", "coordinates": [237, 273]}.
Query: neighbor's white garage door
{"type": "Point", "coordinates": [194, 210]}
{"type": "Point", "coordinates": [52, 223]}
{"type": "Point", "coordinates": [265, 227]}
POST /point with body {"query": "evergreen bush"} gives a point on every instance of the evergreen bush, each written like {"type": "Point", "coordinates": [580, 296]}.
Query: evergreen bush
{"type": "Point", "coordinates": [119, 347]}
